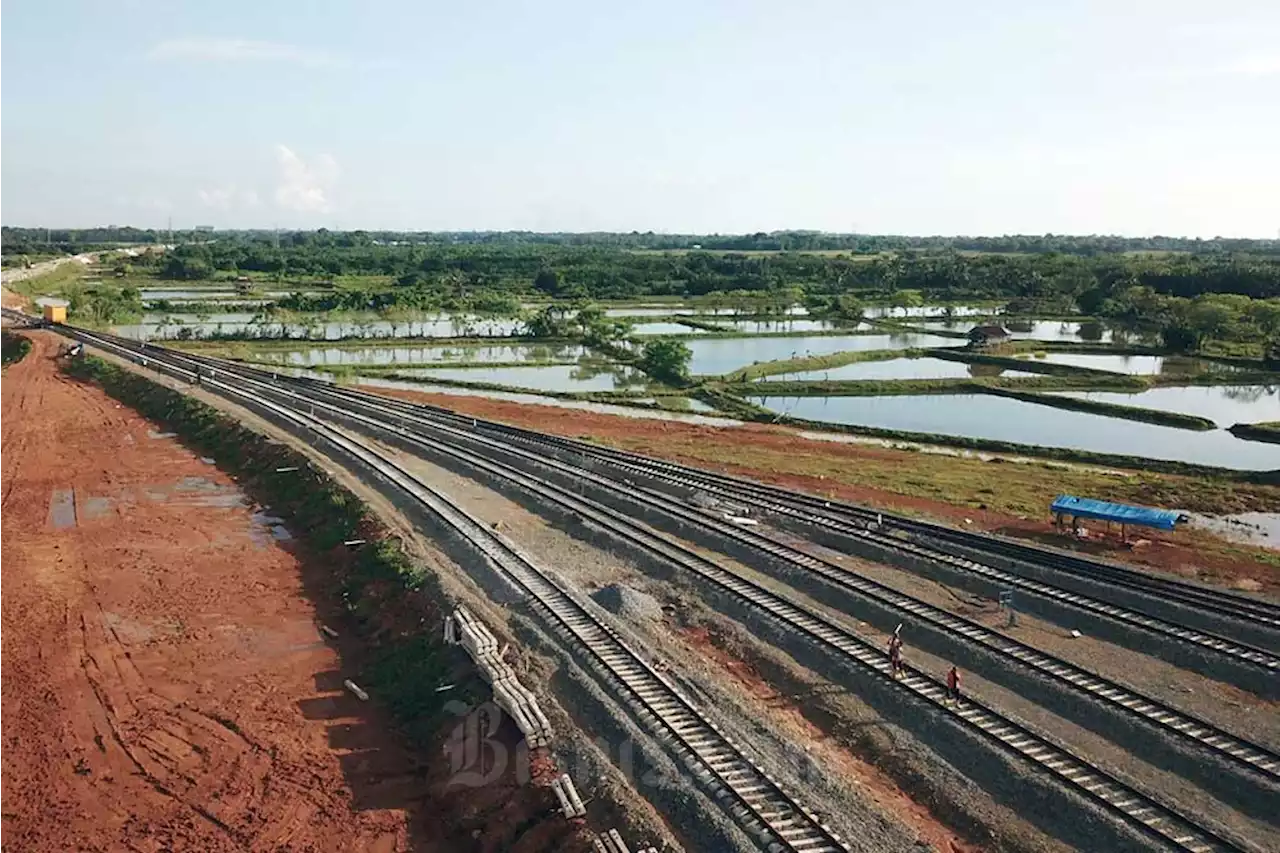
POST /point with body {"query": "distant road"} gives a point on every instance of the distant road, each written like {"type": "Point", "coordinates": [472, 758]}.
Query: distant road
{"type": "Point", "coordinates": [9, 276]}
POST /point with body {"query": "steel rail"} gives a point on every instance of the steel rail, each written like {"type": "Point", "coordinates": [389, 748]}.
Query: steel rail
{"type": "Point", "coordinates": [1169, 721]}
{"type": "Point", "coordinates": [1138, 809]}
{"type": "Point", "coordinates": [760, 804]}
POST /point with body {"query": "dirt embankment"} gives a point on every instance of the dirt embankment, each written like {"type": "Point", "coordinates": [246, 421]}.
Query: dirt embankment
{"type": "Point", "coordinates": [166, 684]}
{"type": "Point", "coordinates": [1008, 498]}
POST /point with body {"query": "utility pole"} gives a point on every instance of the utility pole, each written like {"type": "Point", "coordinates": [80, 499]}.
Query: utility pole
{"type": "Point", "coordinates": [171, 230]}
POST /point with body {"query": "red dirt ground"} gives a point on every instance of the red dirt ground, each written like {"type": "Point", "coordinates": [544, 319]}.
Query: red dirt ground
{"type": "Point", "coordinates": [656, 438]}
{"type": "Point", "coordinates": [165, 686]}
{"type": "Point", "coordinates": [161, 668]}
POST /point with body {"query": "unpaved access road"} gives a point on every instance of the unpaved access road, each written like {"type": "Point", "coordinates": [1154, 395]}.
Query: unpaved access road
{"type": "Point", "coordinates": [164, 683]}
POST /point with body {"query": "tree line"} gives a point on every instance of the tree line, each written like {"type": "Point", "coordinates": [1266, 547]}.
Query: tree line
{"type": "Point", "coordinates": [1042, 281]}
{"type": "Point", "coordinates": [17, 240]}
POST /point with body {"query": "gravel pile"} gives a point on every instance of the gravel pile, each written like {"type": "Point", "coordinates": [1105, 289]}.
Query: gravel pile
{"type": "Point", "coordinates": [630, 604]}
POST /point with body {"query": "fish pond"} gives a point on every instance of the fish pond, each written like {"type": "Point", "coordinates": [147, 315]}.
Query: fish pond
{"type": "Point", "coordinates": [1225, 405]}
{"type": "Point", "coordinates": [1002, 419]}
{"type": "Point", "coordinates": [903, 368]}
{"type": "Point", "coordinates": [1134, 364]}
{"type": "Point", "coordinates": [586, 376]}
{"type": "Point", "coordinates": [722, 355]}
{"type": "Point", "coordinates": [380, 355]}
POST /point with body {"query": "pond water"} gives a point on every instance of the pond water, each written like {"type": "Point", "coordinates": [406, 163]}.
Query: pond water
{"type": "Point", "coordinates": [441, 326]}
{"type": "Point", "coordinates": [366, 355]}
{"type": "Point", "coordinates": [1135, 364]}
{"type": "Point", "coordinates": [776, 326]}
{"type": "Point", "coordinates": [665, 329]}
{"type": "Point", "coordinates": [686, 311]}
{"type": "Point", "coordinates": [928, 311]}
{"type": "Point", "coordinates": [564, 377]}
{"type": "Point", "coordinates": [1225, 405]}
{"type": "Point", "coordinates": [1038, 330]}
{"type": "Point", "coordinates": [721, 355]}
{"type": "Point", "coordinates": [903, 368]}
{"type": "Point", "coordinates": [1003, 419]}
{"type": "Point", "coordinates": [189, 293]}
{"type": "Point", "coordinates": [535, 399]}
{"type": "Point", "coordinates": [1253, 528]}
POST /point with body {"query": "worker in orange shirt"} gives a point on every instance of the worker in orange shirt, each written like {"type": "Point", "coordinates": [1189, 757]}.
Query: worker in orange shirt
{"type": "Point", "coordinates": [953, 684]}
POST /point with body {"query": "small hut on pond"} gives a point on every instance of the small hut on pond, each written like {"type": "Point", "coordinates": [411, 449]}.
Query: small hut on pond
{"type": "Point", "coordinates": [982, 337]}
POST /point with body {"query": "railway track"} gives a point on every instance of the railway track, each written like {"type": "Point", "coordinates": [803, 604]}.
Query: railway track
{"type": "Point", "coordinates": [1232, 750]}
{"type": "Point", "coordinates": [1222, 602]}
{"type": "Point", "coordinates": [771, 815]}
{"type": "Point", "coordinates": [847, 519]}
{"type": "Point", "coordinates": [1122, 801]}
{"type": "Point", "coordinates": [798, 504]}
{"type": "Point", "coordinates": [1258, 659]}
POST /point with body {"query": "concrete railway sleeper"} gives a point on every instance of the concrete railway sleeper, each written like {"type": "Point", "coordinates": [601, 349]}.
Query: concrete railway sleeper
{"type": "Point", "coordinates": [1252, 617]}
{"type": "Point", "coordinates": [1226, 611]}
{"type": "Point", "coordinates": [1250, 667]}
{"type": "Point", "coordinates": [1260, 665]}
{"type": "Point", "coordinates": [1137, 811]}
{"type": "Point", "coordinates": [770, 814]}
{"type": "Point", "coordinates": [1235, 756]}
{"type": "Point", "coordinates": [1242, 773]}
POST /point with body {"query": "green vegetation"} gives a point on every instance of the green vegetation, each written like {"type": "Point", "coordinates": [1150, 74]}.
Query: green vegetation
{"type": "Point", "coordinates": [1019, 489]}
{"type": "Point", "coordinates": [817, 362]}
{"type": "Point", "coordinates": [373, 581]}
{"type": "Point", "coordinates": [14, 347]}
{"type": "Point", "coordinates": [954, 385]}
{"type": "Point", "coordinates": [1115, 410]}
{"type": "Point", "coordinates": [1268, 431]}
{"type": "Point", "coordinates": [587, 323]}
{"type": "Point", "coordinates": [49, 283]}
{"type": "Point", "coordinates": [748, 411]}
{"type": "Point", "coordinates": [667, 360]}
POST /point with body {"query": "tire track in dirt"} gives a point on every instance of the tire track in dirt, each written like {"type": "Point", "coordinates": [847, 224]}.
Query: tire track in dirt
{"type": "Point", "coordinates": [157, 654]}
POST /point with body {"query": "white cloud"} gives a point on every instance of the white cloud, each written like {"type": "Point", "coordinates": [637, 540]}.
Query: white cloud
{"type": "Point", "coordinates": [238, 50]}
{"type": "Point", "coordinates": [228, 197]}
{"type": "Point", "coordinates": [303, 186]}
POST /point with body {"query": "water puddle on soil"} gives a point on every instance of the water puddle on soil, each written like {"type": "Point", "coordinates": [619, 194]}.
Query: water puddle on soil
{"type": "Point", "coordinates": [1250, 528]}
{"type": "Point", "coordinates": [267, 528]}
{"type": "Point", "coordinates": [62, 509]}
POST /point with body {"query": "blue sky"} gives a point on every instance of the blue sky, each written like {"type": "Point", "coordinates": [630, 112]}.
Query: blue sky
{"type": "Point", "coordinates": [921, 117]}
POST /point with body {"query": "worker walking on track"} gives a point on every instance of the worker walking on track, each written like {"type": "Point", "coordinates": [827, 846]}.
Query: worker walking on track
{"type": "Point", "coordinates": [895, 652]}
{"type": "Point", "coordinates": [953, 684]}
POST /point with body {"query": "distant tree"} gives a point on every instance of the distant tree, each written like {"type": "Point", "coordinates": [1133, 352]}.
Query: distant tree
{"type": "Point", "coordinates": [1180, 338]}
{"type": "Point", "coordinates": [547, 281]}
{"type": "Point", "coordinates": [551, 321]}
{"type": "Point", "coordinates": [667, 360]}
{"type": "Point", "coordinates": [1271, 355]}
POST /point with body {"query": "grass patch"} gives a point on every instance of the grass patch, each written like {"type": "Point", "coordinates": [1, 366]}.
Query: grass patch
{"type": "Point", "coordinates": [1112, 410]}
{"type": "Point", "coordinates": [14, 348]}
{"type": "Point", "coordinates": [1268, 431]}
{"type": "Point", "coordinates": [375, 581]}
{"type": "Point", "coordinates": [51, 283]}
{"type": "Point", "coordinates": [1024, 489]}
{"type": "Point", "coordinates": [1112, 460]}
{"type": "Point", "coordinates": [816, 362]}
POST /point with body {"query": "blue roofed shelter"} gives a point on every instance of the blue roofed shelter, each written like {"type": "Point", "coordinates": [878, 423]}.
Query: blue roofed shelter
{"type": "Point", "coordinates": [1122, 514]}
